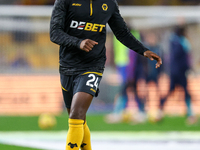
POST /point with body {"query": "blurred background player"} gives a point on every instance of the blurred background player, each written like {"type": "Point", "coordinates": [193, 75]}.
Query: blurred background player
{"type": "Point", "coordinates": [137, 84]}
{"type": "Point", "coordinates": [130, 67]}
{"type": "Point", "coordinates": [180, 63]}
{"type": "Point", "coordinates": [146, 83]}
{"type": "Point", "coordinates": [152, 41]}
{"type": "Point", "coordinates": [121, 60]}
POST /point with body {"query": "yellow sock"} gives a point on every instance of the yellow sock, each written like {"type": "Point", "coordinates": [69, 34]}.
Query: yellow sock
{"type": "Point", "coordinates": [75, 134]}
{"type": "Point", "coordinates": [86, 144]}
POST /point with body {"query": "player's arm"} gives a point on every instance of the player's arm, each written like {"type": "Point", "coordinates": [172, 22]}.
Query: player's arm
{"type": "Point", "coordinates": [57, 29]}
{"type": "Point", "coordinates": [123, 34]}
{"type": "Point", "coordinates": [57, 26]}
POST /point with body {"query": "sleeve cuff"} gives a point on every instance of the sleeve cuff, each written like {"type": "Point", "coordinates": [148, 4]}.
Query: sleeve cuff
{"type": "Point", "coordinates": [79, 43]}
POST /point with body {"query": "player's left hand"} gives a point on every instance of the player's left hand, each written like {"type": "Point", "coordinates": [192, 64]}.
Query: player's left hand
{"type": "Point", "coordinates": [153, 56]}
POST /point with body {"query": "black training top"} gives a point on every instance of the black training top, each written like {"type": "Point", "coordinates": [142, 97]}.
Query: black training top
{"type": "Point", "coordinates": [75, 20]}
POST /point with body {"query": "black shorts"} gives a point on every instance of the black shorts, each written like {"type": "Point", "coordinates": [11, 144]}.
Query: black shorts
{"type": "Point", "coordinates": [87, 82]}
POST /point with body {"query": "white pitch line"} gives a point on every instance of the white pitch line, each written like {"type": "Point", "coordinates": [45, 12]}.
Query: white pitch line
{"type": "Point", "coordinates": [108, 140]}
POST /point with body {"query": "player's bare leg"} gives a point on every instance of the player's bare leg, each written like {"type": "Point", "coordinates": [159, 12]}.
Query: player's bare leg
{"type": "Point", "coordinates": [80, 104]}
{"type": "Point", "coordinates": [78, 133]}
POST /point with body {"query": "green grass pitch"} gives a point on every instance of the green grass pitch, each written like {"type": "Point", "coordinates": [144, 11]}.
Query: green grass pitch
{"type": "Point", "coordinates": [96, 123]}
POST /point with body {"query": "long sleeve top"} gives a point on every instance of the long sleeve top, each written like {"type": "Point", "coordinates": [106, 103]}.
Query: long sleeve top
{"type": "Point", "coordinates": [72, 21]}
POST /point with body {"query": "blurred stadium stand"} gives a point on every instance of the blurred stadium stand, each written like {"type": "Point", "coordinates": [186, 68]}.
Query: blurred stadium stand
{"type": "Point", "coordinates": [121, 2]}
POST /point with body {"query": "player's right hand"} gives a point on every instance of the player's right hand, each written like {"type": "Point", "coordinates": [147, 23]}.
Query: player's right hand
{"type": "Point", "coordinates": [87, 45]}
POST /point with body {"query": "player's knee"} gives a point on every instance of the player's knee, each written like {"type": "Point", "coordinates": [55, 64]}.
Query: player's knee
{"type": "Point", "coordinates": [77, 115]}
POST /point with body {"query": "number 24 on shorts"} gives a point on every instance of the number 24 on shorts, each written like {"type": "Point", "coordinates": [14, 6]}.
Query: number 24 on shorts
{"type": "Point", "coordinates": [93, 82]}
